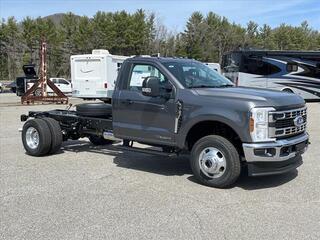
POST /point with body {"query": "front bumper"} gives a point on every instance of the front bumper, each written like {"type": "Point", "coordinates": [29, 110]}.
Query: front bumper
{"type": "Point", "coordinates": [275, 157]}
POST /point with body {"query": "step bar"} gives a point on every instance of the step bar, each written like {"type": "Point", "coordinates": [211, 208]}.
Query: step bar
{"type": "Point", "coordinates": [147, 151]}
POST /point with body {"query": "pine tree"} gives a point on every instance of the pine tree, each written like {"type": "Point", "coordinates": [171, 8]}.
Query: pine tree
{"type": "Point", "coordinates": [205, 38]}
{"type": "Point", "coordinates": [194, 35]}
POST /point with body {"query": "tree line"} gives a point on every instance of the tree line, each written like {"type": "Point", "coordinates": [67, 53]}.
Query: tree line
{"type": "Point", "coordinates": [205, 38]}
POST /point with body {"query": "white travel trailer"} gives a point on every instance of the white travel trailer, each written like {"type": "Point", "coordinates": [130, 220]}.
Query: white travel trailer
{"type": "Point", "coordinates": [93, 75]}
{"type": "Point", "coordinates": [290, 71]}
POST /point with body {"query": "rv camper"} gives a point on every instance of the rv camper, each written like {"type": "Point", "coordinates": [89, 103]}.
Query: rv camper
{"type": "Point", "coordinates": [290, 71]}
{"type": "Point", "coordinates": [93, 75]}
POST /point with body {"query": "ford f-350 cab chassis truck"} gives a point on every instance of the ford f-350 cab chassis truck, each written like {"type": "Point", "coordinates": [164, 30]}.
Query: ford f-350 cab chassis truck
{"type": "Point", "coordinates": [183, 106]}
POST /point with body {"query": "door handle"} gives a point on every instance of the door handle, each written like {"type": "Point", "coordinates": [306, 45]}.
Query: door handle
{"type": "Point", "coordinates": [127, 101]}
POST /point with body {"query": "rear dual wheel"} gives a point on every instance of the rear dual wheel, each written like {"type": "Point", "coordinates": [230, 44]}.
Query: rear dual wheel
{"type": "Point", "coordinates": [56, 134]}
{"type": "Point", "coordinates": [41, 136]}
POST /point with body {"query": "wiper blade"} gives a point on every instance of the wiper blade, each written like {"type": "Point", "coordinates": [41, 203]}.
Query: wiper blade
{"type": "Point", "coordinates": [226, 85]}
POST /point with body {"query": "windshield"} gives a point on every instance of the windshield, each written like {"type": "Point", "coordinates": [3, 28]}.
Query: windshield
{"type": "Point", "coordinates": [193, 74]}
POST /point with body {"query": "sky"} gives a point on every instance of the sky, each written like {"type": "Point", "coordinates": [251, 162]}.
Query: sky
{"type": "Point", "coordinates": [175, 13]}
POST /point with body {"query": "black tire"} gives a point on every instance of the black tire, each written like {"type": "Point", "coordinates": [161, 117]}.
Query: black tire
{"type": "Point", "coordinates": [94, 109]}
{"type": "Point", "coordinates": [232, 168]}
{"type": "Point", "coordinates": [56, 134]}
{"type": "Point", "coordinates": [99, 140]}
{"type": "Point", "coordinates": [42, 128]}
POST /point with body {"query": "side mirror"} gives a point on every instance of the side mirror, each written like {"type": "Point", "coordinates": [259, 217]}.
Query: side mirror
{"type": "Point", "coordinates": [151, 86]}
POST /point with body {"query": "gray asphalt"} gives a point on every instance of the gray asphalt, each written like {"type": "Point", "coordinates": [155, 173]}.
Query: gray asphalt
{"type": "Point", "coordinates": [88, 192]}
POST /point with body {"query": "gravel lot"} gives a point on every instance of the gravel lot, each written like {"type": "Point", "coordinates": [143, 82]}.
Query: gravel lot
{"type": "Point", "coordinates": [88, 192]}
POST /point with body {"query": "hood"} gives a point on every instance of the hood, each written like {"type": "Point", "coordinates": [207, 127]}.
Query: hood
{"type": "Point", "coordinates": [29, 71]}
{"type": "Point", "coordinates": [258, 96]}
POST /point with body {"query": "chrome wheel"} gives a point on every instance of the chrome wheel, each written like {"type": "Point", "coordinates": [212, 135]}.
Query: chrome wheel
{"type": "Point", "coordinates": [212, 162]}
{"type": "Point", "coordinates": [32, 138]}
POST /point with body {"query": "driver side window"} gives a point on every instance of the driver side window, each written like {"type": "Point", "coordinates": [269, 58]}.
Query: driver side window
{"type": "Point", "coordinates": [141, 72]}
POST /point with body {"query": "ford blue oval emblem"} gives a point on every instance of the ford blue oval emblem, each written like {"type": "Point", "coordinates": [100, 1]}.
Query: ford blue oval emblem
{"type": "Point", "coordinates": [298, 121]}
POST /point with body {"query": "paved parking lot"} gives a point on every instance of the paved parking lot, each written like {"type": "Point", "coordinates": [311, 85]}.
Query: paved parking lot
{"type": "Point", "coordinates": [88, 192]}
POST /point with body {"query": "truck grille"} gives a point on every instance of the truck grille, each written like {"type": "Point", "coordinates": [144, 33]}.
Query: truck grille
{"type": "Point", "coordinates": [287, 123]}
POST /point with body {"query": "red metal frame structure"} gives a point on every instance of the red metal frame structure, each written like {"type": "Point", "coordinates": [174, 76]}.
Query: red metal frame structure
{"type": "Point", "coordinates": [41, 85]}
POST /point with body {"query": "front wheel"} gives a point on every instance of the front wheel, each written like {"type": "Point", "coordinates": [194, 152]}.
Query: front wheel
{"type": "Point", "coordinates": [215, 162]}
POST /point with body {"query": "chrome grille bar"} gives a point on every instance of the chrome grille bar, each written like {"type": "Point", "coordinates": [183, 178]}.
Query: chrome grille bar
{"type": "Point", "coordinates": [285, 119]}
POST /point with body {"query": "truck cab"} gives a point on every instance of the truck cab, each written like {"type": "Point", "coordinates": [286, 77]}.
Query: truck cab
{"type": "Point", "coordinates": [184, 107]}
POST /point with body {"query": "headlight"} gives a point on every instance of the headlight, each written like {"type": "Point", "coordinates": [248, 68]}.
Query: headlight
{"type": "Point", "coordinates": [259, 121]}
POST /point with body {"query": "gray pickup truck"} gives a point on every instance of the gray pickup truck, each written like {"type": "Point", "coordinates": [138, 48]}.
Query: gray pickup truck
{"type": "Point", "coordinates": [183, 107]}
